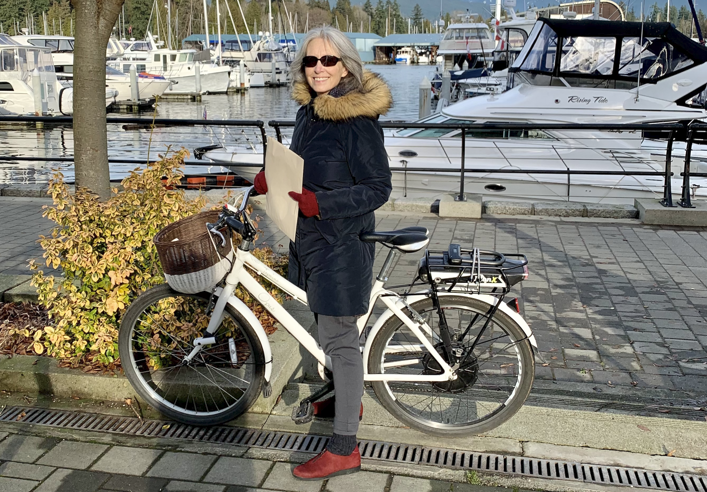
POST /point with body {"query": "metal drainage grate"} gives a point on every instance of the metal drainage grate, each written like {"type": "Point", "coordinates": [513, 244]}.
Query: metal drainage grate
{"type": "Point", "coordinates": [374, 450]}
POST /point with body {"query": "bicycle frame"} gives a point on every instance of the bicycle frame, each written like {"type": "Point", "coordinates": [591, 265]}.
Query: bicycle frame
{"type": "Point", "coordinates": [240, 275]}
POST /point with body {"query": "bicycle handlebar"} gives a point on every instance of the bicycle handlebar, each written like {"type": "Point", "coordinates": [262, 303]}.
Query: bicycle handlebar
{"type": "Point", "coordinates": [231, 216]}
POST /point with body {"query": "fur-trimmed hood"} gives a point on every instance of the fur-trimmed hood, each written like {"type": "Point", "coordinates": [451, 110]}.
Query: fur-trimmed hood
{"type": "Point", "coordinates": [372, 101]}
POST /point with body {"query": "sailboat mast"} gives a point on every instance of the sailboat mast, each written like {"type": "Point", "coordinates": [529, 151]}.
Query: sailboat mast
{"type": "Point", "coordinates": [169, 24]}
{"type": "Point", "coordinates": [218, 24]}
{"type": "Point", "coordinates": [270, 15]}
{"type": "Point", "coordinates": [245, 22]}
{"type": "Point", "coordinates": [238, 37]}
{"type": "Point", "coordinates": [206, 26]}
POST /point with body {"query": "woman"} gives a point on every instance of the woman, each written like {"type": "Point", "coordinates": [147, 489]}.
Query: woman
{"type": "Point", "coordinates": [346, 178]}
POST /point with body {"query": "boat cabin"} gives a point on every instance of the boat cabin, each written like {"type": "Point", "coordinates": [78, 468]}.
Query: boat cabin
{"type": "Point", "coordinates": [61, 48]}
{"type": "Point", "coordinates": [468, 41]}
{"type": "Point", "coordinates": [603, 55]}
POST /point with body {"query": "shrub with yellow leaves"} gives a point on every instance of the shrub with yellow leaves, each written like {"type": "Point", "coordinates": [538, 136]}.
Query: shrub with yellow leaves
{"type": "Point", "coordinates": [106, 255]}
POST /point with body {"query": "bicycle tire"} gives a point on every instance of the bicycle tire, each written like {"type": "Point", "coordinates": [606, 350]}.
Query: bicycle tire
{"type": "Point", "coordinates": [151, 355]}
{"type": "Point", "coordinates": [399, 397]}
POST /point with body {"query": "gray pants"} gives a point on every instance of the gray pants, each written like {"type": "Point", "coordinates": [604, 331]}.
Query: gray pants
{"type": "Point", "coordinates": [338, 336]}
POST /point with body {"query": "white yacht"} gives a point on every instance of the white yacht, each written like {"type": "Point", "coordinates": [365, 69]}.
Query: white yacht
{"type": "Point", "coordinates": [177, 66]}
{"type": "Point", "coordinates": [259, 60]}
{"type": "Point", "coordinates": [512, 36]}
{"type": "Point", "coordinates": [569, 71]}
{"type": "Point", "coordinates": [405, 55]}
{"type": "Point", "coordinates": [28, 83]}
{"type": "Point", "coordinates": [466, 40]}
{"type": "Point", "coordinates": [62, 53]}
{"type": "Point", "coordinates": [18, 65]}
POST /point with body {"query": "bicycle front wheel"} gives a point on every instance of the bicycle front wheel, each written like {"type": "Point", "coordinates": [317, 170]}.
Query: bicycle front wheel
{"type": "Point", "coordinates": [493, 379]}
{"type": "Point", "coordinates": [221, 382]}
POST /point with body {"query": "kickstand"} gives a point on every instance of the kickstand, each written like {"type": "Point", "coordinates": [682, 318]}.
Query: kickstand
{"type": "Point", "coordinates": [304, 413]}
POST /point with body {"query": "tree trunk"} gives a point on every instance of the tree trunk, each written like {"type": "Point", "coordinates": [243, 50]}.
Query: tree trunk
{"type": "Point", "coordinates": [94, 22]}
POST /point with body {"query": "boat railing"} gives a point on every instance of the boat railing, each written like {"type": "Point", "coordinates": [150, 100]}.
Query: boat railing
{"type": "Point", "coordinates": [688, 132]}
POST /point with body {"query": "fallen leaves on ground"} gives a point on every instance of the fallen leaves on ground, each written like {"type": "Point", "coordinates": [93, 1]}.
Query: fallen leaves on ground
{"type": "Point", "coordinates": [671, 453]}
{"type": "Point", "coordinates": [643, 428]}
{"type": "Point", "coordinates": [20, 316]}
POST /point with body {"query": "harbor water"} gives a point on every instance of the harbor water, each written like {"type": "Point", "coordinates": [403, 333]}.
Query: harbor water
{"type": "Point", "coordinates": [133, 143]}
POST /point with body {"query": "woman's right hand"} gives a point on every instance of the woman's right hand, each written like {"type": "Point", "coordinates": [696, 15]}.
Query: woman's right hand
{"type": "Point", "coordinates": [261, 186]}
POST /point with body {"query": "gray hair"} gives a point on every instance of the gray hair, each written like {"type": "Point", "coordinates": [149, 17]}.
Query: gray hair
{"type": "Point", "coordinates": [348, 53]}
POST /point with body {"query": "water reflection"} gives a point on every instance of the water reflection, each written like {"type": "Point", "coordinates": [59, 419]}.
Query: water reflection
{"type": "Point", "coordinates": [130, 143]}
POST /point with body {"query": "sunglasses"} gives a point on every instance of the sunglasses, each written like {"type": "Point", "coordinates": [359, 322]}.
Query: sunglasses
{"type": "Point", "coordinates": [327, 61]}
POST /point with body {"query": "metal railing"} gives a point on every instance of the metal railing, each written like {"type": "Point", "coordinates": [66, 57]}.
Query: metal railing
{"type": "Point", "coordinates": [689, 133]}
{"type": "Point", "coordinates": [672, 131]}
{"type": "Point", "coordinates": [156, 135]}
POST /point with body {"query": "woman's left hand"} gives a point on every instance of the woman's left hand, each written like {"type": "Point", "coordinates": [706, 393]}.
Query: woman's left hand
{"type": "Point", "coordinates": [307, 201]}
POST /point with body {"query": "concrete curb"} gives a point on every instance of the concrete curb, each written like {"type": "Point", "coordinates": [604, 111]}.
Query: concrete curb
{"type": "Point", "coordinates": [16, 288]}
{"type": "Point", "coordinates": [478, 207]}
{"type": "Point", "coordinates": [550, 432]}
{"type": "Point", "coordinates": [34, 375]}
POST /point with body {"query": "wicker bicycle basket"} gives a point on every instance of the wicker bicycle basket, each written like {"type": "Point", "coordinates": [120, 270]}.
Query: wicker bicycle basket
{"type": "Point", "coordinates": [189, 259]}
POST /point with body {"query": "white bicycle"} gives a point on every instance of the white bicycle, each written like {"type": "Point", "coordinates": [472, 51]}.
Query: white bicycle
{"type": "Point", "coordinates": [454, 358]}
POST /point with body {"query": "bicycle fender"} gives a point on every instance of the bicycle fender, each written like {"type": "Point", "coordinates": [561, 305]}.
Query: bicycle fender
{"type": "Point", "coordinates": [511, 314]}
{"type": "Point", "coordinates": [387, 314]}
{"type": "Point", "coordinates": [245, 311]}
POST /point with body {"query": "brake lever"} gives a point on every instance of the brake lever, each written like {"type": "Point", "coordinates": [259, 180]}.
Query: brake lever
{"type": "Point", "coordinates": [212, 229]}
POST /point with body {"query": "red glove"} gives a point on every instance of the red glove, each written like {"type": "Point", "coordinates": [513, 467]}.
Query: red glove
{"type": "Point", "coordinates": [261, 186]}
{"type": "Point", "coordinates": [307, 201]}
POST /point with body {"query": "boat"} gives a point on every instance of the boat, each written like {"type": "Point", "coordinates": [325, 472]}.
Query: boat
{"type": "Point", "coordinates": [512, 35]}
{"type": "Point", "coordinates": [26, 68]}
{"type": "Point", "coordinates": [149, 85]}
{"type": "Point", "coordinates": [178, 66]}
{"type": "Point", "coordinates": [405, 55]}
{"type": "Point", "coordinates": [568, 72]}
{"type": "Point", "coordinates": [62, 53]}
{"type": "Point", "coordinates": [264, 58]}
{"type": "Point", "coordinates": [468, 41]}
{"type": "Point", "coordinates": [17, 87]}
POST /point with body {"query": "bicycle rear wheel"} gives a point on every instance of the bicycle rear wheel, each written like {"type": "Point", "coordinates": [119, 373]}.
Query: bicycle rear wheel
{"type": "Point", "coordinates": [221, 382]}
{"type": "Point", "coordinates": [491, 383]}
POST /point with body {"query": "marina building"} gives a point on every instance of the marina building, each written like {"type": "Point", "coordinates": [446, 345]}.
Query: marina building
{"type": "Point", "coordinates": [364, 42]}
{"type": "Point", "coordinates": [386, 49]}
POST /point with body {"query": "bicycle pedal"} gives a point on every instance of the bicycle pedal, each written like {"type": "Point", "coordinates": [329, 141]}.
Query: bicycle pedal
{"type": "Point", "coordinates": [303, 414]}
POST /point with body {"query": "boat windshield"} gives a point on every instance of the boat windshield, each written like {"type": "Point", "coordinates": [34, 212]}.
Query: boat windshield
{"type": "Point", "coordinates": [114, 72]}
{"type": "Point", "coordinates": [435, 118]}
{"type": "Point", "coordinates": [140, 46]}
{"type": "Point", "coordinates": [603, 55]}
{"type": "Point", "coordinates": [434, 132]}
{"type": "Point", "coordinates": [459, 34]}
{"type": "Point", "coordinates": [55, 45]}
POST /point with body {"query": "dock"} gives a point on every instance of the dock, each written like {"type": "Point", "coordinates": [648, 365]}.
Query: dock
{"type": "Point", "coordinates": [130, 106]}
{"type": "Point", "coordinates": [182, 96]}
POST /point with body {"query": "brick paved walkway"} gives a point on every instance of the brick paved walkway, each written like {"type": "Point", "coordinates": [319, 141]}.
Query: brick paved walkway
{"type": "Point", "coordinates": [617, 307]}
{"type": "Point", "coordinates": [41, 464]}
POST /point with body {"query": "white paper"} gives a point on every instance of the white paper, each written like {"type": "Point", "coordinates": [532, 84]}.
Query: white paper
{"type": "Point", "coordinates": [283, 173]}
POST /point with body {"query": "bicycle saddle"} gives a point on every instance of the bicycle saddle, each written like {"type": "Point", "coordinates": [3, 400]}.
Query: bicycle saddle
{"type": "Point", "coordinates": [407, 240]}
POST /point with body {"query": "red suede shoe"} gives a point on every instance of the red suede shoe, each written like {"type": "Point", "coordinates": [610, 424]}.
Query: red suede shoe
{"type": "Point", "coordinates": [327, 465]}
{"type": "Point", "coordinates": [325, 409]}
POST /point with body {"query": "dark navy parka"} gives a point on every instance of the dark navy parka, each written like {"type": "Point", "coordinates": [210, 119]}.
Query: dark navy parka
{"type": "Point", "coordinates": [346, 166]}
